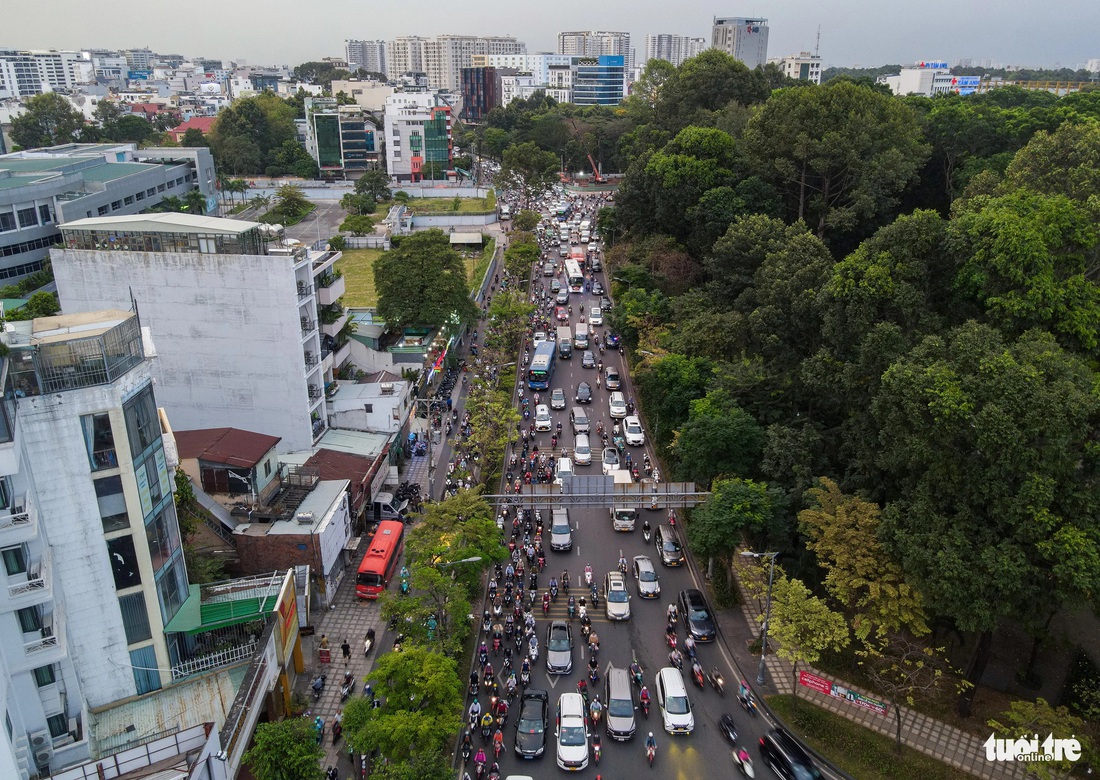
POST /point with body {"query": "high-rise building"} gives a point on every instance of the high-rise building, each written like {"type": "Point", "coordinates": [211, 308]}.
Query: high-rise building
{"type": "Point", "coordinates": [804, 66]}
{"type": "Point", "coordinates": [745, 39]}
{"type": "Point", "coordinates": [93, 565]}
{"type": "Point", "coordinates": [29, 73]}
{"type": "Point", "coordinates": [596, 43]}
{"type": "Point", "coordinates": [444, 56]}
{"type": "Point", "coordinates": [340, 138]}
{"type": "Point", "coordinates": [404, 55]}
{"type": "Point", "coordinates": [1093, 65]}
{"type": "Point", "coordinates": [369, 56]}
{"type": "Point", "coordinates": [140, 59]}
{"type": "Point", "coordinates": [481, 92]}
{"type": "Point", "coordinates": [672, 48]}
{"type": "Point", "coordinates": [418, 137]}
{"type": "Point", "coordinates": [599, 81]}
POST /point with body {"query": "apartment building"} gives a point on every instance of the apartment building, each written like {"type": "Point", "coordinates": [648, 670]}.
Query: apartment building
{"type": "Point", "coordinates": [418, 137]}
{"type": "Point", "coordinates": [673, 48]}
{"type": "Point", "coordinates": [596, 44]}
{"type": "Point", "coordinates": [342, 139]}
{"type": "Point", "coordinates": [404, 54]}
{"type": "Point", "coordinates": [42, 188]}
{"type": "Point", "coordinates": [369, 56]}
{"type": "Point", "coordinates": [28, 73]}
{"type": "Point", "coordinates": [443, 57]}
{"type": "Point", "coordinates": [249, 331]}
{"type": "Point", "coordinates": [805, 66]}
{"type": "Point", "coordinates": [93, 567]}
{"type": "Point", "coordinates": [742, 38]}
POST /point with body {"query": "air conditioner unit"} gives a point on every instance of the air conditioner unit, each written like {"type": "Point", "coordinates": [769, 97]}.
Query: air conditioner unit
{"type": "Point", "coordinates": [40, 739]}
{"type": "Point", "coordinates": [74, 727]}
{"type": "Point", "coordinates": [386, 388]}
{"type": "Point", "coordinates": [42, 757]}
{"type": "Point", "coordinates": [34, 571]}
{"type": "Point", "coordinates": [47, 624]}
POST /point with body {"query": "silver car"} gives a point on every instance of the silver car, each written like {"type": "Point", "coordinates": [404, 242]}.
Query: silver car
{"type": "Point", "coordinates": [616, 597]}
{"type": "Point", "coordinates": [645, 577]}
{"type": "Point", "coordinates": [559, 648]}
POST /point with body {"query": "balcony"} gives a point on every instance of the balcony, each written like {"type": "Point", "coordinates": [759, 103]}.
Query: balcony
{"type": "Point", "coordinates": [314, 392]}
{"type": "Point", "coordinates": [333, 328]}
{"type": "Point", "coordinates": [16, 524]}
{"type": "Point", "coordinates": [341, 355]}
{"type": "Point", "coordinates": [49, 647]}
{"type": "Point", "coordinates": [330, 287]}
{"type": "Point", "coordinates": [308, 326]}
{"type": "Point", "coordinates": [37, 587]}
{"type": "Point", "coordinates": [304, 290]}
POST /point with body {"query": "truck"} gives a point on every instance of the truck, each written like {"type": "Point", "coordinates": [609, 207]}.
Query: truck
{"type": "Point", "coordinates": [565, 342]}
{"type": "Point", "coordinates": [623, 518]}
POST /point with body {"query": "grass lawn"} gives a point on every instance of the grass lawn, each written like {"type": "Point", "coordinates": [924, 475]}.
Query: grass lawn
{"type": "Point", "coordinates": [862, 753]}
{"type": "Point", "coordinates": [358, 268]}
{"type": "Point", "coordinates": [446, 205]}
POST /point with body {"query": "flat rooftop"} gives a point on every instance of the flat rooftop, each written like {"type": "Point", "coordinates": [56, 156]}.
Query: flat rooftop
{"type": "Point", "coordinates": [164, 223]}
{"type": "Point", "coordinates": [65, 327]}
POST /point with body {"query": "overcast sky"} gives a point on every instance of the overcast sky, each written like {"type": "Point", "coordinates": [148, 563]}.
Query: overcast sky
{"type": "Point", "coordinates": [853, 32]}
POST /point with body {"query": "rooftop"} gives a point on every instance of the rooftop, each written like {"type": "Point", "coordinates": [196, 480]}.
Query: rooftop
{"type": "Point", "coordinates": [229, 446]}
{"type": "Point", "coordinates": [114, 171]}
{"type": "Point", "coordinates": [340, 465]}
{"type": "Point", "coordinates": [316, 507]}
{"type": "Point", "coordinates": [369, 445]}
{"type": "Point", "coordinates": [66, 327]}
{"type": "Point", "coordinates": [165, 223]}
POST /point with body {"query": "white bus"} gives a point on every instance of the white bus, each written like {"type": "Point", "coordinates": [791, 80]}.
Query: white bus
{"type": "Point", "coordinates": [573, 276]}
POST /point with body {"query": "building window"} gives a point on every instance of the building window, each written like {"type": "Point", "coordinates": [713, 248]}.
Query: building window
{"type": "Point", "coordinates": [151, 191]}
{"type": "Point", "coordinates": [44, 676]}
{"type": "Point", "coordinates": [171, 185]}
{"type": "Point", "coordinates": [172, 588]}
{"type": "Point", "coordinates": [179, 181]}
{"type": "Point", "coordinates": [144, 664]}
{"type": "Point", "coordinates": [140, 196]}
{"type": "Point", "coordinates": [58, 725]}
{"type": "Point", "coordinates": [142, 424]}
{"type": "Point", "coordinates": [124, 563]}
{"type": "Point", "coordinates": [15, 560]}
{"type": "Point", "coordinates": [162, 535]}
{"type": "Point", "coordinates": [160, 188]}
{"type": "Point", "coordinates": [116, 205]}
{"type": "Point", "coordinates": [28, 217]}
{"type": "Point", "coordinates": [135, 618]}
{"type": "Point", "coordinates": [44, 214]}
{"type": "Point", "coordinates": [101, 210]}
{"type": "Point", "coordinates": [7, 221]}
{"type": "Point", "coordinates": [112, 504]}
{"type": "Point", "coordinates": [128, 200]}
{"type": "Point", "coordinates": [100, 441]}
{"type": "Point", "coordinates": [29, 622]}
{"type": "Point", "coordinates": [267, 468]}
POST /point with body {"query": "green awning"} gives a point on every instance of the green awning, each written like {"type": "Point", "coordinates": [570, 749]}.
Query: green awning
{"type": "Point", "coordinates": [194, 617]}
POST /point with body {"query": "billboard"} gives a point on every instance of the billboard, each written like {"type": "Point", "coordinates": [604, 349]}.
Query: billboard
{"type": "Point", "coordinates": [143, 75]}
{"type": "Point", "coordinates": [830, 688]}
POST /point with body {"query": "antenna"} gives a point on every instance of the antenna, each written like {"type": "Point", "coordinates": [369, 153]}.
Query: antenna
{"type": "Point", "coordinates": [817, 46]}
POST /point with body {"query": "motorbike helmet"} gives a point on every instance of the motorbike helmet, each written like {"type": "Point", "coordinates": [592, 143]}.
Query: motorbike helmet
{"type": "Point", "coordinates": [651, 734]}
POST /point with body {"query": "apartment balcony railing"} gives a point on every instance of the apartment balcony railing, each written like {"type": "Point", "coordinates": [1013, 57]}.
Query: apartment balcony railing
{"type": "Point", "coordinates": [304, 290]}
{"type": "Point", "coordinates": [331, 291]}
{"type": "Point", "coordinates": [38, 578]}
{"type": "Point", "coordinates": [16, 523]}
{"type": "Point", "coordinates": [51, 640]}
{"type": "Point", "coordinates": [308, 325]}
{"type": "Point", "coordinates": [224, 657]}
{"type": "Point", "coordinates": [333, 328]}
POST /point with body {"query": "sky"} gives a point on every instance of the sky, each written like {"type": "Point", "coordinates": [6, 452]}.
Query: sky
{"type": "Point", "coordinates": [288, 32]}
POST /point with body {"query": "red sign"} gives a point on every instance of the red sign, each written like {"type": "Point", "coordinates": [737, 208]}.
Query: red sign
{"type": "Point", "coordinates": [812, 681]}
{"type": "Point", "coordinates": [830, 688]}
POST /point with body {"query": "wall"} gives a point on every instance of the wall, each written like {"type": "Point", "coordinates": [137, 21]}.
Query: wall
{"type": "Point", "coordinates": [458, 220]}
{"type": "Point", "coordinates": [226, 330]}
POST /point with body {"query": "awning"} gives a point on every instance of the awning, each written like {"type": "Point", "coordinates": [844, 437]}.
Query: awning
{"type": "Point", "coordinates": [466, 238]}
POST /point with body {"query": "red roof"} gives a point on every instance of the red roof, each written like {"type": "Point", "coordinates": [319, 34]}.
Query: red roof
{"type": "Point", "coordinates": [203, 123]}
{"type": "Point", "coordinates": [228, 446]}
{"type": "Point", "coordinates": [343, 465]}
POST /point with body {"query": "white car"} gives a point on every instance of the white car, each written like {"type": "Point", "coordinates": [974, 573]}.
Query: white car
{"type": "Point", "coordinates": [616, 597]}
{"type": "Point", "coordinates": [595, 316]}
{"type": "Point", "coordinates": [572, 752]}
{"type": "Point", "coordinates": [542, 418]}
{"type": "Point", "coordinates": [616, 405]}
{"type": "Point", "coordinates": [557, 401]}
{"type": "Point", "coordinates": [632, 430]}
{"type": "Point", "coordinates": [611, 462]}
{"type": "Point", "coordinates": [672, 699]}
{"type": "Point", "coordinates": [540, 335]}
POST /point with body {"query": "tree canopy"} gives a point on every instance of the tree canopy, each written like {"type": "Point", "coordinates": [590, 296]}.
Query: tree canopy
{"type": "Point", "coordinates": [423, 282]}
{"type": "Point", "coordinates": [49, 119]}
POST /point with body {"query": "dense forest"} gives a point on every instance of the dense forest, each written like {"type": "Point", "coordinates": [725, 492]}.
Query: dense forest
{"type": "Point", "coordinates": [897, 294]}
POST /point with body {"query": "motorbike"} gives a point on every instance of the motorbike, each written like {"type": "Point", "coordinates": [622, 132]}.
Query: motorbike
{"type": "Point", "coordinates": [479, 769]}
{"type": "Point", "coordinates": [404, 587]}
{"type": "Point", "coordinates": [717, 681]}
{"type": "Point", "coordinates": [318, 685]}
{"type": "Point", "coordinates": [588, 575]}
{"type": "Point", "coordinates": [368, 643]}
{"type": "Point", "coordinates": [485, 621]}
{"type": "Point", "coordinates": [744, 762]}
{"type": "Point", "coordinates": [748, 703]}
{"type": "Point", "coordinates": [728, 729]}
{"type": "Point", "coordinates": [398, 642]}
{"type": "Point", "coordinates": [636, 674]}
{"type": "Point", "coordinates": [697, 675]}
{"type": "Point", "coordinates": [533, 649]}
{"type": "Point", "coordinates": [650, 754]}
{"type": "Point", "coordinates": [647, 533]}
{"type": "Point", "coordinates": [525, 678]}
{"type": "Point", "coordinates": [467, 748]}
{"type": "Point", "coordinates": [645, 708]}
{"type": "Point", "coordinates": [596, 748]}
{"type": "Point", "coordinates": [347, 687]}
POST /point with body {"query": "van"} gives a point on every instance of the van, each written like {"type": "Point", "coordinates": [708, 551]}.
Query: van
{"type": "Point", "coordinates": [561, 533]}
{"type": "Point", "coordinates": [668, 546]}
{"type": "Point", "coordinates": [672, 699]}
{"type": "Point", "coordinates": [505, 212]}
{"type": "Point", "coordinates": [623, 518]}
{"type": "Point", "coordinates": [582, 450]}
{"type": "Point", "coordinates": [565, 343]}
{"type": "Point", "coordinates": [619, 705]}
{"type": "Point", "coordinates": [580, 340]}
{"type": "Point", "coordinates": [386, 507]}
{"type": "Point", "coordinates": [564, 470]}
{"type": "Point", "coordinates": [579, 420]}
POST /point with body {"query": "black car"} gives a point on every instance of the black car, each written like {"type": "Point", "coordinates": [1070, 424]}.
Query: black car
{"type": "Point", "coordinates": [605, 303]}
{"type": "Point", "coordinates": [611, 339]}
{"type": "Point", "coordinates": [697, 615]}
{"type": "Point", "coordinates": [584, 393]}
{"type": "Point", "coordinates": [588, 359]}
{"type": "Point", "coordinates": [597, 288]}
{"type": "Point", "coordinates": [786, 757]}
{"type": "Point", "coordinates": [531, 724]}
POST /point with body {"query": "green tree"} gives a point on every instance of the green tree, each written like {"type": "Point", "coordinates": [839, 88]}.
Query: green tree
{"type": "Point", "coordinates": [357, 225]}
{"type": "Point", "coordinates": [735, 510]}
{"type": "Point", "coordinates": [193, 137]}
{"type": "Point", "coordinates": [248, 136]}
{"type": "Point", "coordinates": [986, 453]}
{"type": "Point", "coordinates": [49, 119]}
{"type": "Point", "coordinates": [1025, 719]}
{"type": "Point", "coordinates": [666, 387]}
{"type": "Point", "coordinates": [1062, 162]}
{"type": "Point", "coordinates": [107, 115]}
{"type": "Point", "coordinates": [526, 220]}
{"type": "Point", "coordinates": [528, 171]}
{"type": "Point", "coordinates": [423, 282]}
{"type": "Point", "coordinates": [133, 129]}
{"type": "Point", "coordinates": [356, 204]}
{"type": "Point", "coordinates": [803, 626]}
{"type": "Point", "coordinates": [285, 750]}
{"type": "Point", "coordinates": [41, 304]}
{"type": "Point", "coordinates": [718, 439]}
{"type": "Point", "coordinates": [868, 583]}
{"type": "Point", "coordinates": [840, 154]}
{"type": "Point", "coordinates": [705, 84]}
{"type": "Point", "coordinates": [290, 202]}
{"type": "Point", "coordinates": [195, 202]}
{"type": "Point", "coordinates": [374, 184]}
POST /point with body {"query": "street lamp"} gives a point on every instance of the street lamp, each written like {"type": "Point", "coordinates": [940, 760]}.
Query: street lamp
{"type": "Point", "coordinates": [473, 559]}
{"type": "Point", "coordinates": [771, 556]}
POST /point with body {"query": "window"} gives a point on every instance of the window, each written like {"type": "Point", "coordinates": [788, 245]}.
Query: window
{"type": "Point", "coordinates": [135, 618]}
{"type": "Point", "coordinates": [124, 562]}
{"type": "Point", "coordinates": [160, 188]}
{"type": "Point", "coordinates": [140, 196]}
{"type": "Point", "coordinates": [368, 408]}
{"type": "Point", "coordinates": [44, 676]}
{"type": "Point", "coordinates": [101, 210]}
{"type": "Point", "coordinates": [116, 205]}
{"type": "Point", "coordinates": [144, 664]}
{"type": "Point", "coordinates": [151, 191]}
{"type": "Point", "coordinates": [179, 181]}
{"type": "Point", "coordinates": [100, 441]}
{"type": "Point", "coordinates": [128, 200]}
{"type": "Point", "coordinates": [58, 725]}
{"type": "Point", "coordinates": [162, 535]}
{"type": "Point", "coordinates": [44, 214]}
{"type": "Point", "coordinates": [112, 504]}
{"type": "Point", "coordinates": [15, 560]}
{"type": "Point", "coordinates": [171, 185]}
{"type": "Point", "coordinates": [267, 468]}
{"type": "Point", "coordinates": [172, 588]}
{"type": "Point", "coordinates": [7, 221]}
{"type": "Point", "coordinates": [28, 217]}
{"type": "Point", "coordinates": [142, 424]}
{"type": "Point", "coordinates": [152, 476]}
{"type": "Point", "coordinates": [29, 622]}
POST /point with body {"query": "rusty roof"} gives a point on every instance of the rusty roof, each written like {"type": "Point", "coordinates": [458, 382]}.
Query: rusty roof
{"type": "Point", "coordinates": [229, 446]}
{"type": "Point", "coordinates": [340, 465]}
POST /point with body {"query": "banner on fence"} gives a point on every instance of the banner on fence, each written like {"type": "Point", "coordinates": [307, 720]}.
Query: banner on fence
{"type": "Point", "coordinates": [830, 688]}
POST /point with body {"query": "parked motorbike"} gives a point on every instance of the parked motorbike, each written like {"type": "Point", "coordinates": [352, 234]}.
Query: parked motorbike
{"type": "Point", "coordinates": [368, 643]}
{"type": "Point", "coordinates": [348, 686]}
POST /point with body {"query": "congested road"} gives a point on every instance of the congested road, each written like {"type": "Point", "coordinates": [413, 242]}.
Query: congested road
{"type": "Point", "coordinates": [639, 639]}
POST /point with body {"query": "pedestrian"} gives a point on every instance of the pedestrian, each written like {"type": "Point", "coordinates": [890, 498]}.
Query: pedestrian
{"type": "Point", "coordinates": [346, 650]}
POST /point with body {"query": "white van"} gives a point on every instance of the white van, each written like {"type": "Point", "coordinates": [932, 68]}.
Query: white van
{"type": "Point", "coordinates": [580, 339]}
{"type": "Point", "coordinates": [582, 450]}
{"type": "Point", "coordinates": [386, 507]}
{"type": "Point", "coordinates": [564, 468]}
{"type": "Point", "coordinates": [672, 699]}
{"type": "Point", "coordinates": [505, 212]}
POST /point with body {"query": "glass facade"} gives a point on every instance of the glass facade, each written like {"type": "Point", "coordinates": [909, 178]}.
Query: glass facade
{"type": "Point", "coordinates": [327, 127]}
{"type": "Point", "coordinates": [599, 81]}
{"type": "Point", "coordinates": [53, 367]}
{"type": "Point", "coordinates": [247, 242]}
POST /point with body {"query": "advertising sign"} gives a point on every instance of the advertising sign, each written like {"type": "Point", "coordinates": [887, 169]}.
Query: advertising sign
{"type": "Point", "coordinates": [830, 688]}
{"type": "Point", "coordinates": [139, 74]}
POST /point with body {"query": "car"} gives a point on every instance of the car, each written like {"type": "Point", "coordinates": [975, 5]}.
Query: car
{"type": "Point", "coordinates": [557, 398]}
{"type": "Point", "coordinates": [616, 405]}
{"type": "Point", "coordinates": [561, 533]}
{"type": "Point", "coordinates": [605, 303]}
{"type": "Point", "coordinates": [632, 430]}
{"type": "Point", "coordinates": [578, 418]}
{"type": "Point", "coordinates": [672, 700]}
{"type": "Point", "coordinates": [595, 316]}
{"type": "Point", "coordinates": [547, 269]}
{"type": "Point", "coordinates": [597, 288]}
{"type": "Point", "coordinates": [555, 286]}
{"type": "Point", "coordinates": [562, 314]}
{"type": "Point", "coordinates": [588, 359]}
{"type": "Point", "coordinates": [611, 338]}
{"type": "Point", "coordinates": [562, 297]}
{"type": "Point", "coordinates": [786, 757]}
{"type": "Point", "coordinates": [572, 753]}
{"type": "Point", "coordinates": [611, 378]}
{"type": "Point", "coordinates": [610, 460]}
{"type": "Point", "coordinates": [534, 713]}
{"type": "Point", "coordinates": [542, 418]}
{"type": "Point", "coordinates": [559, 648]}
{"type": "Point", "coordinates": [563, 250]}
{"type": "Point", "coordinates": [555, 242]}
{"type": "Point", "coordinates": [645, 577]}
{"type": "Point", "coordinates": [584, 393]}
{"type": "Point", "coordinates": [668, 546]}
{"type": "Point", "coordinates": [540, 335]}
{"type": "Point", "coordinates": [616, 596]}
{"type": "Point", "coordinates": [594, 264]}
{"type": "Point", "coordinates": [697, 616]}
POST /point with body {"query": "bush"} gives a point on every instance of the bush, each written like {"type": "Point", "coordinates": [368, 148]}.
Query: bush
{"type": "Point", "coordinates": [338, 243]}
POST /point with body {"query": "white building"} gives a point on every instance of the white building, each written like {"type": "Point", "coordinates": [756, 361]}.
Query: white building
{"type": "Point", "coordinates": [366, 55]}
{"type": "Point", "coordinates": [248, 331]}
{"type": "Point", "coordinates": [93, 565]}
{"type": "Point", "coordinates": [538, 65]}
{"type": "Point", "coordinates": [595, 43]}
{"type": "Point", "coordinates": [929, 78]}
{"type": "Point", "coordinates": [673, 48]}
{"type": "Point", "coordinates": [742, 38]}
{"type": "Point", "coordinates": [804, 66]}
{"type": "Point", "coordinates": [443, 57]}
{"type": "Point", "coordinates": [1093, 65]}
{"type": "Point", "coordinates": [370, 95]}
{"type": "Point", "coordinates": [404, 54]}
{"type": "Point", "coordinates": [29, 73]}
{"type": "Point", "coordinates": [378, 407]}
{"type": "Point", "coordinates": [417, 129]}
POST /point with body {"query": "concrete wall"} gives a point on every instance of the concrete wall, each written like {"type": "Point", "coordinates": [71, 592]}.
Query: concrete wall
{"type": "Point", "coordinates": [226, 330]}
{"type": "Point", "coordinates": [457, 220]}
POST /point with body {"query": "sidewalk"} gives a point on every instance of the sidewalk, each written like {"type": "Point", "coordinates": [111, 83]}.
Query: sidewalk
{"type": "Point", "coordinates": [918, 731]}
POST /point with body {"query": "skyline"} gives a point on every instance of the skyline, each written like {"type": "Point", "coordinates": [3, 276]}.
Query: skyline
{"type": "Point", "coordinates": [851, 33]}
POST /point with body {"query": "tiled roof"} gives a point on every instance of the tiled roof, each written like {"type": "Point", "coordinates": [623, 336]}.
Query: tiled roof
{"type": "Point", "coordinates": [229, 446]}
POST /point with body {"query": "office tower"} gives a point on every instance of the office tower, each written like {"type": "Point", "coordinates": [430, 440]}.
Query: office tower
{"type": "Point", "coordinates": [595, 43]}
{"type": "Point", "coordinates": [744, 39]}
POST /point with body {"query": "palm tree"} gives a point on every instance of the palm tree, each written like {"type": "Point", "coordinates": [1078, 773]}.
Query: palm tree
{"type": "Point", "coordinates": [238, 186]}
{"type": "Point", "coordinates": [195, 202]}
{"type": "Point", "coordinates": [260, 202]}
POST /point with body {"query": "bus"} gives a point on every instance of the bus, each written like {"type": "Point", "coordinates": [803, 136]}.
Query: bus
{"type": "Point", "coordinates": [573, 276]}
{"type": "Point", "coordinates": [542, 366]}
{"type": "Point", "coordinates": [381, 559]}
